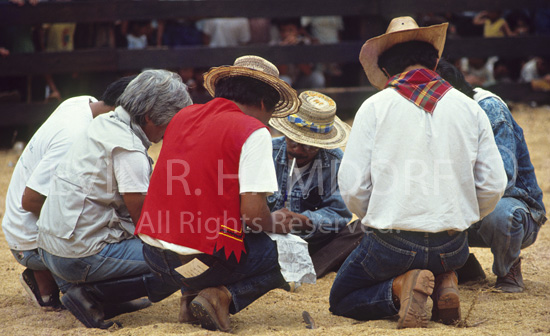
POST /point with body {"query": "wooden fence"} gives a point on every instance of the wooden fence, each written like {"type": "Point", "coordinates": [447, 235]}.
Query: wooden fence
{"type": "Point", "coordinates": [115, 60]}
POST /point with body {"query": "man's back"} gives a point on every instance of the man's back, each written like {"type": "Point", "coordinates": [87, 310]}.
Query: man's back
{"type": "Point", "coordinates": [422, 171]}
{"type": "Point", "coordinates": [37, 164]}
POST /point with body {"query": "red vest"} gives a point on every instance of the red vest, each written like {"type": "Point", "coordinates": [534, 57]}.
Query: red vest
{"type": "Point", "coordinates": [193, 198]}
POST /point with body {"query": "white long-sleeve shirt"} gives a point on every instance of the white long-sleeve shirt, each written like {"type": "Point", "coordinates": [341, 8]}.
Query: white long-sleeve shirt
{"type": "Point", "coordinates": [407, 169]}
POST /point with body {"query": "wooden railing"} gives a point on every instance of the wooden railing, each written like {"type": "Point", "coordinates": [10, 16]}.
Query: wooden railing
{"type": "Point", "coordinates": [116, 60]}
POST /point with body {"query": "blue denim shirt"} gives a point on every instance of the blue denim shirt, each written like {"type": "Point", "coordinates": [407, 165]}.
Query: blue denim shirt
{"type": "Point", "coordinates": [522, 182]}
{"type": "Point", "coordinates": [316, 195]}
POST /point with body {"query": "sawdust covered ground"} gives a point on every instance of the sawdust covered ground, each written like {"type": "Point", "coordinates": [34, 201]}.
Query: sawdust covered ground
{"type": "Point", "coordinates": [485, 311]}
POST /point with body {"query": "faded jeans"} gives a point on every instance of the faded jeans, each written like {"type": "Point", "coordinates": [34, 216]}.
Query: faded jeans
{"type": "Point", "coordinates": [30, 259]}
{"type": "Point", "coordinates": [506, 230]}
{"type": "Point", "coordinates": [119, 260]}
{"type": "Point", "coordinates": [362, 288]}
{"type": "Point", "coordinates": [257, 273]}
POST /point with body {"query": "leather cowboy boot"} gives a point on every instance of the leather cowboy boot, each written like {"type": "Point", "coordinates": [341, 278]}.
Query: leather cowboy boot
{"type": "Point", "coordinates": [211, 308]}
{"type": "Point", "coordinates": [80, 301]}
{"type": "Point", "coordinates": [513, 281]}
{"type": "Point", "coordinates": [185, 315]}
{"type": "Point", "coordinates": [412, 290]}
{"type": "Point", "coordinates": [446, 300]}
{"type": "Point", "coordinates": [470, 271]}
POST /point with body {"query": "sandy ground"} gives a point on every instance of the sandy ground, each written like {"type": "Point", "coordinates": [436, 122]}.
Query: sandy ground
{"type": "Point", "coordinates": [484, 311]}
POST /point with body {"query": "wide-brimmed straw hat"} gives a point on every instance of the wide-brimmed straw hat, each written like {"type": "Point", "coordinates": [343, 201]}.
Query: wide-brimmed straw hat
{"type": "Point", "coordinates": [315, 123]}
{"type": "Point", "coordinates": [261, 69]}
{"type": "Point", "coordinates": [401, 29]}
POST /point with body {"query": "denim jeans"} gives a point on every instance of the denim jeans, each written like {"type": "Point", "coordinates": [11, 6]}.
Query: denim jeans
{"type": "Point", "coordinates": [116, 260]}
{"type": "Point", "coordinates": [257, 273]}
{"type": "Point", "coordinates": [30, 259]}
{"type": "Point", "coordinates": [362, 288]}
{"type": "Point", "coordinates": [506, 230]}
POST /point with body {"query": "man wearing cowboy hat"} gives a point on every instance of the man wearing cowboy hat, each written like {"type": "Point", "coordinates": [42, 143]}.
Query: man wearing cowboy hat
{"type": "Point", "coordinates": [307, 160]}
{"type": "Point", "coordinates": [421, 165]}
{"type": "Point", "coordinates": [214, 173]}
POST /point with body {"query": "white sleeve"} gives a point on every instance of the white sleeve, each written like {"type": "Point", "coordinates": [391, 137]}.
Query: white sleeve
{"type": "Point", "coordinates": [489, 174]}
{"type": "Point", "coordinates": [41, 176]}
{"type": "Point", "coordinates": [132, 171]}
{"type": "Point", "coordinates": [354, 176]}
{"type": "Point", "coordinates": [256, 168]}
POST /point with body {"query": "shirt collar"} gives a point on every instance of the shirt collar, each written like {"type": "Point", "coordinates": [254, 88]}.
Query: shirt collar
{"type": "Point", "coordinates": [122, 115]}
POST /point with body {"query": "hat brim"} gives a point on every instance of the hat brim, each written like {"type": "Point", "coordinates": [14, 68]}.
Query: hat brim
{"type": "Point", "coordinates": [288, 102]}
{"type": "Point", "coordinates": [337, 137]}
{"type": "Point", "coordinates": [435, 35]}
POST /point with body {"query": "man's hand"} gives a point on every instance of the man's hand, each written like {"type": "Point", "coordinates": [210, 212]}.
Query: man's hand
{"type": "Point", "coordinates": [286, 221]}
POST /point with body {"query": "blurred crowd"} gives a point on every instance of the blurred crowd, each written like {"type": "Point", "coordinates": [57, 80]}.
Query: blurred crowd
{"type": "Point", "coordinates": [534, 71]}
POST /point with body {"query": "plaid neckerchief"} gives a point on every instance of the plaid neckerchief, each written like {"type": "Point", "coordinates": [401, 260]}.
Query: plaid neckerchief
{"type": "Point", "coordinates": [422, 87]}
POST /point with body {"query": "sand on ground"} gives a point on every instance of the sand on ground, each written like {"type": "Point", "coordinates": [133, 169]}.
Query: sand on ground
{"type": "Point", "coordinates": [484, 310]}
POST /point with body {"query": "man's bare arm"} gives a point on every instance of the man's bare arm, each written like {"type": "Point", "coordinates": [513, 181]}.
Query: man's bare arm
{"type": "Point", "coordinates": [256, 214]}
{"type": "Point", "coordinates": [134, 203]}
{"type": "Point", "coordinates": [32, 201]}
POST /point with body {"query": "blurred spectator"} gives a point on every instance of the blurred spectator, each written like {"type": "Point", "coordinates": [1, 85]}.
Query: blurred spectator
{"type": "Point", "coordinates": [542, 21]}
{"type": "Point", "coordinates": [260, 30]}
{"type": "Point", "coordinates": [137, 34]}
{"type": "Point", "coordinates": [478, 71]}
{"type": "Point", "coordinates": [225, 32]}
{"type": "Point", "coordinates": [176, 33]}
{"type": "Point", "coordinates": [325, 29]}
{"type": "Point", "coordinates": [303, 75]}
{"type": "Point", "coordinates": [494, 25]}
{"type": "Point", "coordinates": [519, 22]}
{"type": "Point", "coordinates": [537, 72]}
{"type": "Point", "coordinates": [17, 39]}
{"type": "Point", "coordinates": [507, 70]}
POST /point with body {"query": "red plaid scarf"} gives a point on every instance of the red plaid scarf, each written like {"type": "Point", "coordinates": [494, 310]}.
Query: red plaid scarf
{"type": "Point", "coordinates": [423, 87]}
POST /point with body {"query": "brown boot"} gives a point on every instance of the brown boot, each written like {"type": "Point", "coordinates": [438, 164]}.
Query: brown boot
{"type": "Point", "coordinates": [446, 300]}
{"type": "Point", "coordinates": [186, 316]}
{"type": "Point", "coordinates": [412, 289]}
{"type": "Point", "coordinates": [211, 308]}
{"type": "Point", "coordinates": [513, 281]}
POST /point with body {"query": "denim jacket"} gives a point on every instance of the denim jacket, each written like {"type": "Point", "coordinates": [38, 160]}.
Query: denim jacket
{"type": "Point", "coordinates": [316, 195]}
{"type": "Point", "coordinates": [522, 182]}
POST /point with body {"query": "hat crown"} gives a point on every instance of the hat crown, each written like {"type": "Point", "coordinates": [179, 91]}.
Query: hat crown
{"type": "Point", "coordinates": [316, 107]}
{"type": "Point", "coordinates": [257, 63]}
{"type": "Point", "coordinates": [401, 23]}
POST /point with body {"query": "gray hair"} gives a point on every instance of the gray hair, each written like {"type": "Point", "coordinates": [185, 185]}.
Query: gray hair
{"type": "Point", "coordinates": [159, 94]}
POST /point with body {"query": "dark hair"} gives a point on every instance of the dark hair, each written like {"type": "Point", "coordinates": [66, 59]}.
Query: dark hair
{"type": "Point", "coordinates": [454, 76]}
{"type": "Point", "coordinates": [247, 91]}
{"type": "Point", "coordinates": [400, 56]}
{"type": "Point", "coordinates": [115, 89]}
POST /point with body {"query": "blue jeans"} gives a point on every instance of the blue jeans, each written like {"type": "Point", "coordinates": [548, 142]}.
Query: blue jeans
{"type": "Point", "coordinates": [362, 288]}
{"type": "Point", "coordinates": [116, 260]}
{"type": "Point", "coordinates": [30, 259]}
{"type": "Point", "coordinates": [257, 273]}
{"type": "Point", "coordinates": [506, 230]}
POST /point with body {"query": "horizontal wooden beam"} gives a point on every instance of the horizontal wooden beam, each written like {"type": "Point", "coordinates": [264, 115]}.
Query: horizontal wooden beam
{"type": "Point", "coordinates": [112, 10]}
{"type": "Point", "coordinates": [17, 114]}
{"type": "Point", "coordinates": [348, 100]}
{"type": "Point", "coordinates": [202, 56]}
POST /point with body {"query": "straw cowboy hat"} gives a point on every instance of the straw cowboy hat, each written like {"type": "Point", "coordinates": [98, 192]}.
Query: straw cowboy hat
{"type": "Point", "coordinates": [261, 69]}
{"type": "Point", "coordinates": [315, 123]}
{"type": "Point", "coordinates": [401, 29]}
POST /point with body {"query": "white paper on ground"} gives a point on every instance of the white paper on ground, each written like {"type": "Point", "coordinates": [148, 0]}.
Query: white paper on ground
{"type": "Point", "coordinates": [294, 259]}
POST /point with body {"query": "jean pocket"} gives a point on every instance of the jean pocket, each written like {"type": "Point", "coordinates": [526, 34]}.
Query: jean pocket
{"type": "Point", "coordinates": [457, 258]}
{"type": "Point", "coordinates": [72, 269]}
{"type": "Point", "coordinates": [385, 261]}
